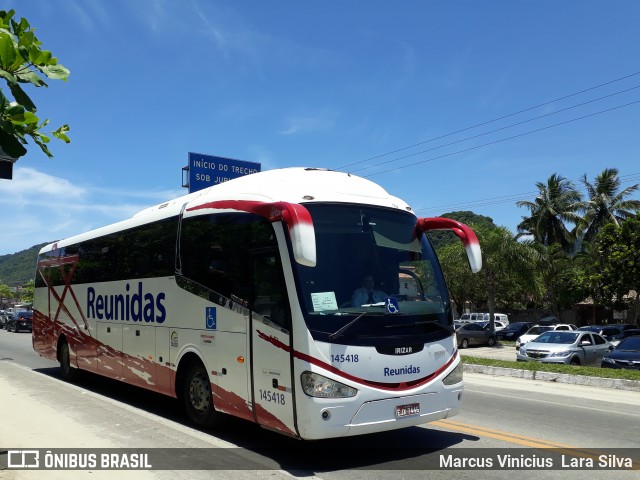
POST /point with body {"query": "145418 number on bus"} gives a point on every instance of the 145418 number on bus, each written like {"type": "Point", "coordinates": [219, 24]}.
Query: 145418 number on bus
{"type": "Point", "coordinates": [274, 397]}
{"type": "Point", "coordinates": [344, 358]}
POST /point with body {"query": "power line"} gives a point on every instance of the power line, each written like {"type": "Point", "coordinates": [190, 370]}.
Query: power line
{"type": "Point", "coordinates": [509, 198]}
{"type": "Point", "coordinates": [489, 121]}
{"type": "Point", "coordinates": [495, 141]}
{"type": "Point", "coordinates": [498, 129]}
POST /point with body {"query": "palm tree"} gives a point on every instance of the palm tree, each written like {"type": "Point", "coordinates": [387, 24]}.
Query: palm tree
{"type": "Point", "coordinates": [557, 203]}
{"type": "Point", "coordinates": [606, 204]}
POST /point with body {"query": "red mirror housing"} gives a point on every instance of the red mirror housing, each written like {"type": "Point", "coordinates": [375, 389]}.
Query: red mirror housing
{"type": "Point", "coordinates": [466, 235]}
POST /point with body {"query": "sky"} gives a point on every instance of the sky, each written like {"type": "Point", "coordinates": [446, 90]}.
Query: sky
{"type": "Point", "coordinates": [450, 105]}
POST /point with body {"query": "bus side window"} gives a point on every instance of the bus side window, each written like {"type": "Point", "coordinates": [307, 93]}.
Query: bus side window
{"type": "Point", "coordinates": [270, 296]}
{"type": "Point", "coordinates": [213, 253]}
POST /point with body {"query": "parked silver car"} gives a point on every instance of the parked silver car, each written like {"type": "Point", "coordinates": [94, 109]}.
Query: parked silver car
{"type": "Point", "coordinates": [536, 330]}
{"type": "Point", "coordinates": [572, 347]}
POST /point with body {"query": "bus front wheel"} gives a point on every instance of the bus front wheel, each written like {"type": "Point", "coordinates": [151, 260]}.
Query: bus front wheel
{"type": "Point", "coordinates": [197, 397]}
{"type": "Point", "coordinates": [68, 372]}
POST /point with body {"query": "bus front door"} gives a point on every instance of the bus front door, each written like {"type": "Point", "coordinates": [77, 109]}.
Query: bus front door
{"type": "Point", "coordinates": [272, 387]}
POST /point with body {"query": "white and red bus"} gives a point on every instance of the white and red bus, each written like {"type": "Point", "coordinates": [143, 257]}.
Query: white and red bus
{"type": "Point", "coordinates": [237, 299]}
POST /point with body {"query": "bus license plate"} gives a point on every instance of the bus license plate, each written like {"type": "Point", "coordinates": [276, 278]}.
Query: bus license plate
{"type": "Point", "coordinates": [405, 410]}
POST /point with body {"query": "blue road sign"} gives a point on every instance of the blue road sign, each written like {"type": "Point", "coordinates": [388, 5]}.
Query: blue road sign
{"type": "Point", "coordinates": [207, 170]}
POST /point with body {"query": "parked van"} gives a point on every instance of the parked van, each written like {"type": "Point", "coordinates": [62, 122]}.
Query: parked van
{"type": "Point", "coordinates": [484, 317]}
{"type": "Point", "coordinates": [471, 317]}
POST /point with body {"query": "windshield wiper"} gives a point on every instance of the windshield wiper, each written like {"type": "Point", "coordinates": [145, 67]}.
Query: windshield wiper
{"type": "Point", "coordinates": [343, 329]}
{"type": "Point", "coordinates": [433, 323]}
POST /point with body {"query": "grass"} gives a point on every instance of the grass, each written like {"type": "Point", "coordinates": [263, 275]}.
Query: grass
{"type": "Point", "coordinates": [545, 367]}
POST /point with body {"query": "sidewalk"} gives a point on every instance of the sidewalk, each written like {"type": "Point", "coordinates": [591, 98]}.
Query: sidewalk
{"type": "Point", "coordinates": [28, 421]}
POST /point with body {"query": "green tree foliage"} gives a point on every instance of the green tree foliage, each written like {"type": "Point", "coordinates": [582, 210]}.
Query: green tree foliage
{"type": "Point", "coordinates": [616, 270]}
{"type": "Point", "coordinates": [440, 238]}
{"type": "Point", "coordinates": [505, 263]}
{"type": "Point", "coordinates": [26, 293]}
{"type": "Point", "coordinates": [557, 203]}
{"type": "Point", "coordinates": [562, 276]}
{"type": "Point", "coordinates": [23, 61]}
{"type": "Point", "coordinates": [606, 203]}
{"type": "Point", "coordinates": [507, 269]}
{"type": "Point", "coordinates": [5, 292]}
{"type": "Point", "coordinates": [463, 285]}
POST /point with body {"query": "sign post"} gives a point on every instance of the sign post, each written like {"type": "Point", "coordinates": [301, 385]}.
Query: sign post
{"type": "Point", "coordinates": [206, 170]}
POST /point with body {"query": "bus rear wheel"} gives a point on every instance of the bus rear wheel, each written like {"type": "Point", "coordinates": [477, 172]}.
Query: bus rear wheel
{"type": "Point", "coordinates": [198, 402]}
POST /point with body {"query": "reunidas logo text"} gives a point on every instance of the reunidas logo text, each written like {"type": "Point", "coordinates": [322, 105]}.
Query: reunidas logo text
{"type": "Point", "coordinates": [136, 306]}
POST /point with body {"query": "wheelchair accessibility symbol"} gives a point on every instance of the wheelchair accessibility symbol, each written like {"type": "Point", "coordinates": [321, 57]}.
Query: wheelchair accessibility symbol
{"type": "Point", "coordinates": [211, 318]}
{"type": "Point", "coordinates": [391, 305]}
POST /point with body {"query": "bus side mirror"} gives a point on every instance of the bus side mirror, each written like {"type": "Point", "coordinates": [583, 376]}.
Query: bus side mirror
{"type": "Point", "coordinates": [466, 235]}
{"type": "Point", "coordinates": [301, 232]}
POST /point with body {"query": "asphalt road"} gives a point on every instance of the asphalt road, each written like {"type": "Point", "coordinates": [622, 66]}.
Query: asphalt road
{"type": "Point", "coordinates": [498, 415]}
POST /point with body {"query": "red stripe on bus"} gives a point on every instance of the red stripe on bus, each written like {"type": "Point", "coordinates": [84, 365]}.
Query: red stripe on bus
{"type": "Point", "coordinates": [395, 387]}
{"type": "Point", "coordinates": [292, 213]}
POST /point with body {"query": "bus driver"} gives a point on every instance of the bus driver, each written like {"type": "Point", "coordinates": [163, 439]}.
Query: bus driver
{"type": "Point", "coordinates": [367, 293]}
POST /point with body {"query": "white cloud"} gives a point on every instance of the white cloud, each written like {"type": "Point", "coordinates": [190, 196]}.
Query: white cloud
{"type": "Point", "coordinates": [31, 186]}
{"type": "Point", "coordinates": [305, 124]}
{"type": "Point", "coordinates": [37, 207]}
{"type": "Point", "coordinates": [88, 14]}
{"type": "Point", "coordinates": [214, 32]}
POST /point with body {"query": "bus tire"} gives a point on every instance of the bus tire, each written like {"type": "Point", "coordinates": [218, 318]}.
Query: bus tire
{"type": "Point", "coordinates": [69, 373]}
{"type": "Point", "coordinates": [198, 400]}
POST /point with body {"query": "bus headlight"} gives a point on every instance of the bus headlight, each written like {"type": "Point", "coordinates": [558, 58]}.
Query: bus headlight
{"type": "Point", "coordinates": [455, 376]}
{"type": "Point", "coordinates": [316, 385]}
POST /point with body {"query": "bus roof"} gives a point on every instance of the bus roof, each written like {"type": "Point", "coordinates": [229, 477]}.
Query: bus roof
{"type": "Point", "coordinates": [294, 185]}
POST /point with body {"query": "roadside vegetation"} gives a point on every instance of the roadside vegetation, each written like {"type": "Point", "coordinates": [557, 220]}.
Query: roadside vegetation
{"type": "Point", "coordinates": [567, 369]}
{"type": "Point", "coordinates": [572, 246]}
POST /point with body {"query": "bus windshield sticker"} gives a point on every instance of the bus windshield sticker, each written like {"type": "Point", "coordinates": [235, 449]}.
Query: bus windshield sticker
{"type": "Point", "coordinates": [324, 301]}
{"type": "Point", "coordinates": [211, 318]}
{"type": "Point", "coordinates": [391, 305]}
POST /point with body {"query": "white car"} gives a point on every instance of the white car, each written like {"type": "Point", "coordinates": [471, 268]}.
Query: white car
{"type": "Point", "coordinates": [497, 324]}
{"type": "Point", "coordinates": [536, 330]}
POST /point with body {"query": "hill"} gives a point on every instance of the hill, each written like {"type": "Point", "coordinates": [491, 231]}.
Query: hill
{"type": "Point", "coordinates": [17, 269]}
{"type": "Point", "coordinates": [441, 238]}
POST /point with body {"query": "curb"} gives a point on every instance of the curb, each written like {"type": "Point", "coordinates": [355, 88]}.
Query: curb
{"type": "Point", "coordinates": [615, 383]}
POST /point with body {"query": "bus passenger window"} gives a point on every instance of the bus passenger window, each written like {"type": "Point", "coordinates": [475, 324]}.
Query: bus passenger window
{"type": "Point", "coordinates": [270, 296]}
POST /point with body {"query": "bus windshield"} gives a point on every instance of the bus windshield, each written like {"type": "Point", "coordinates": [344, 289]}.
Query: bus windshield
{"type": "Point", "coordinates": [375, 281]}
